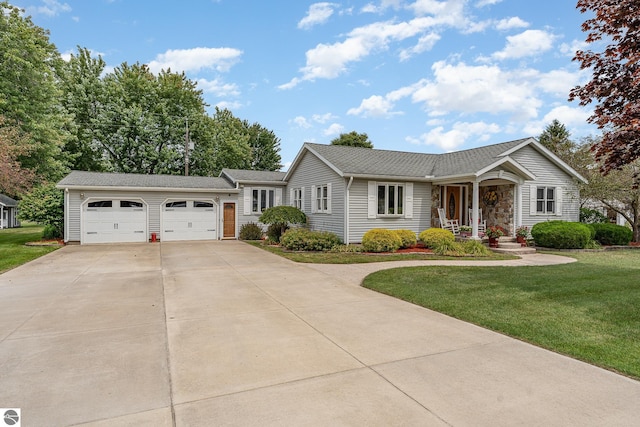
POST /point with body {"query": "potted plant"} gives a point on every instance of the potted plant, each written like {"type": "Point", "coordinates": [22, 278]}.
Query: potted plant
{"type": "Point", "coordinates": [521, 235]}
{"type": "Point", "coordinates": [494, 233]}
{"type": "Point", "coordinates": [465, 230]}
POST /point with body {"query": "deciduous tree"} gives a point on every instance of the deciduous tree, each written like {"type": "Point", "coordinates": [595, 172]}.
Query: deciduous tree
{"type": "Point", "coordinates": [353, 139]}
{"type": "Point", "coordinates": [614, 86]}
{"type": "Point", "coordinates": [14, 179]}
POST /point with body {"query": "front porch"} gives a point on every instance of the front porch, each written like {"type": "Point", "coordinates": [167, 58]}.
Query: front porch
{"type": "Point", "coordinates": [496, 204]}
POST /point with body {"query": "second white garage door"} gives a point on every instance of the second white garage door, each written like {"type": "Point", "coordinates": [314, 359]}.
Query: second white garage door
{"type": "Point", "coordinates": [188, 220]}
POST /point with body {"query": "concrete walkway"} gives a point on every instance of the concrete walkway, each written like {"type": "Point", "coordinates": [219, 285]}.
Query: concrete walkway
{"type": "Point", "coordinates": [221, 333]}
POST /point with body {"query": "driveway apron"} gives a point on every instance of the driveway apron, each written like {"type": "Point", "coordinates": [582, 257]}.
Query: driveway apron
{"type": "Point", "coordinates": [222, 333]}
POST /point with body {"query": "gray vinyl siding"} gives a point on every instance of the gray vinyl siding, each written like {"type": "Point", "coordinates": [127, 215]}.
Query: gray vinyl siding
{"type": "Point", "coordinates": [253, 218]}
{"type": "Point", "coordinates": [547, 174]}
{"type": "Point", "coordinates": [311, 171]}
{"type": "Point", "coordinates": [358, 211]}
{"type": "Point", "coordinates": [153, 200]}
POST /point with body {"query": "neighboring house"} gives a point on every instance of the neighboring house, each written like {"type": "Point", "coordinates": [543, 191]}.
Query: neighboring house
{"type": "Point", "coordinates": [8, 212]}
{"type": "Point", "coordinates": [345, 190]}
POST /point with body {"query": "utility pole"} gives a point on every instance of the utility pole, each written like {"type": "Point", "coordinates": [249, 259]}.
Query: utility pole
{"type": "Point", "coordinates": [186, 149]}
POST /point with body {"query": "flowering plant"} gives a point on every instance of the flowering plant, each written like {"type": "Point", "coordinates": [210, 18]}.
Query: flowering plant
{"type": "Point", "coordinates": [495, 231]}
{"type": "Point", "coordinates": [466, 228]}
{"type": "Point", "coordinates": [522, 231]}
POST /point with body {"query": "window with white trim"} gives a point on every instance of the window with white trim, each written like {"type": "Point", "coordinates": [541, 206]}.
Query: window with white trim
{"type": "Point", "coordinates": [297, 198]}
{"type": "Point", "coordinates": [390, 199]}
{"type": "Point", "coordinates": [262, 199]}
{"type": "Point", "coordinates": [322, 198]}
{"type": "Point", "coordinates": [546, 200]}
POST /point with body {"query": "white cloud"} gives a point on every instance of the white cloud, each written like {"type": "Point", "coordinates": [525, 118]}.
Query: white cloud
{"type": "Point", "coordinates": [558, 82]}
{"type": "Point", "coordinates": [374, 106]}
{"type": "Point", "coordinates": [334, 129]}
{"type": "Point", "coordinates": [218, 87]}
{"type": "Point", "coordinates": [570, 49]}
{"type": "Point", "coordinates": [323, 118]}
{"type": "Point", "coordinates": [317, 14]}
{"type": "Point", "coordinates": [301, 122]}
{"type": "Point", "coordinates": [483, 3]}
{"type": "Point", "coordinates": [457, 136]}
{"type": "Point", "coordinates": [195, 59]}
{"type": "Point", "coordinates": [568, 116]}
{"type": "Point", "coordinates": [328, 61]}
{"type": "Point", "coordinates": [511, 23]}
{"type": "Point", "coordinates": [229, 105]}
{"type": "Point", "coordinates": [528, 43]}
{"type": "Point", "coordinates": [473, 89]}
{"type": "Point", "coordinates": [384, 5]}
{"type": "Point", "coordinates": [424, 44]}
{"type": "Point", "coordinates": [49, 8]}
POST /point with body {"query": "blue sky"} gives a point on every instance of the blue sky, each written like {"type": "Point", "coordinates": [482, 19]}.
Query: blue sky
{"type": "Point", "coordinates": [426, 75]}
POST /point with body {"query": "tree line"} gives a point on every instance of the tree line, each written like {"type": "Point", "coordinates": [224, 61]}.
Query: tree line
{"type": "Point", "coordinates": [58, 115]}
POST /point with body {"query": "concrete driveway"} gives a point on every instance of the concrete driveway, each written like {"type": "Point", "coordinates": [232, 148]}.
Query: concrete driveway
{"type": "Point", "coordinates": [221, 333]}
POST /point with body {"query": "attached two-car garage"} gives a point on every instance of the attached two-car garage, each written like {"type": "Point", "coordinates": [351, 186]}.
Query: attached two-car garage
{"type": "Point", "coordinates": [123, 221]}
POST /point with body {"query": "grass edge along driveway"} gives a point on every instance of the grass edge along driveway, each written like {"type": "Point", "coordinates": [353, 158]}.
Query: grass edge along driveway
{"type": "Point", "coordinates": [589, 310]}
{"type": "Point", "coordinates": [13, 251]}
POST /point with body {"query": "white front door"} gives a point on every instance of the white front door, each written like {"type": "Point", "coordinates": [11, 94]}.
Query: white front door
{"type": "Point", "coordinates": [114, 221]}
{"type": "Point", "coordinates": [189, 220]}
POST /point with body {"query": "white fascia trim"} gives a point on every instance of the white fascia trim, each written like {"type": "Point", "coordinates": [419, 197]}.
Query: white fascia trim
{"type": "Point", "coordinates": [263, 183]}
{"type": "Point", "coordinates": [153, 189]}
{"type": "Point", "coordinates": [527, 175]}
{"type": "Point", "coordinates": [392, 178]}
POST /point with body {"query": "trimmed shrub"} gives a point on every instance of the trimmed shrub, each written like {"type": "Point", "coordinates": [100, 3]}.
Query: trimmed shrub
{"type": "Point", "coordinates": [561, 234]}
{"type": "Point", "coordinates": [275, 231]}
{"type": "Point", "coordinates": [51, 232]}
{"type": "Point", "coordinates": [592, 216]}
{"type": "Point", "coordinates": [475, 248]}
{"type": "Point", "coordinates": [303, 239]}
{"type": "Point", "coordinates": [381, 240]}
{"type": "Point", "coordinates": [449, 248]}
{"type": "Point", "coordinates": [433, 236]}
{"type": "Point", "coordinates": [408, 238]}
{"type": "Point", "coordinates": [251, 231]}
{"type": "Point", "coordinates": [611, 234]}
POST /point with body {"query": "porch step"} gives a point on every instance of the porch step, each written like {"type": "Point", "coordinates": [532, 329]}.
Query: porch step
{"type": "Point", "coordinates": [508, 245]}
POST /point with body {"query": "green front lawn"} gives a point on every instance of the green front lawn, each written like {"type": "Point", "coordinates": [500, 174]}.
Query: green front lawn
{"type": "Point", "coordinates": [13, 252]}
{"type": "Point", "coordinates": [589, 310]}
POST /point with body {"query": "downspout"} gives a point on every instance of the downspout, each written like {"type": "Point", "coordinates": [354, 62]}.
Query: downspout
{"type": "Point", "coordinates": [346, 212]}
{"type": "Point", "coordinates": [66, 215]}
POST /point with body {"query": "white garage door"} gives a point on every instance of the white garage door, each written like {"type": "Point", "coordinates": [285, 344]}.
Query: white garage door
{"type": "Point", "coordinates": [111, 221]}
{"type": "Point", "coordinates": [188, 220]}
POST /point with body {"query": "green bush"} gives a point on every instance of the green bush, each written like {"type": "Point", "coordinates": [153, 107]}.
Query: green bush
{"type": "Point", "coordinates": [449, 248]}
{"type": "Point", "coordinates": [592, 216]}
{"type": "Point", "coordinates": [251, 231]}
{"type": "Point", "coordinates": [433, 236]}
{"type": "Point", "coordinates": [381, 240]}
{"type": "Point", "coordinates": [347, 249]}
{"type": "Point", "coordinates": [302, 239]}
{"type": "Point", "coordinates": [407, 237]}
{"type": "Point", "coordinates": [51, 232]}
{"type": "Point", "coordinates": [44, 205]}
{"type": "Point", "coordinates": [561, 234]}
{"type": "Point", "coordinates": [275, 231]}
{"type": "Point", "coordinates": [475, 248]}
{"type": "Point", "coordinates": [611, 234]}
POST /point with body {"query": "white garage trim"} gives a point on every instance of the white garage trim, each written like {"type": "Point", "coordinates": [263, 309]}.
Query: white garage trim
{"type": "Point", "coordinates": [114, 223]}
{"type": "Point", "coordinates": [186, 221]}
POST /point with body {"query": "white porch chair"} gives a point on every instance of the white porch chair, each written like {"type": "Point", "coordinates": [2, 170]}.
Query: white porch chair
{"type": "Point", "coordinates": [448, 224]}
{"type": "Point", "coordinates": [482, 223]}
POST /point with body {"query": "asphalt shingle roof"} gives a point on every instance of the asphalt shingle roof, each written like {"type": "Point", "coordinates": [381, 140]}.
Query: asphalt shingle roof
{"type": "Point", "coordinates": [8, 201]}
{"type": "Point", "coordinates": [251, 175]}
{"type": "Point", "coordinates": [367, 161]}
{"type": "Point", "coordinates": [103, 179]}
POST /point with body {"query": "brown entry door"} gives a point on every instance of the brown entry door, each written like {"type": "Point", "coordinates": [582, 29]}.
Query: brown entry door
{"type": "Point", "coordinates": [229, 219]}
{"type": "Point", "coordinates": [452, 200]}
